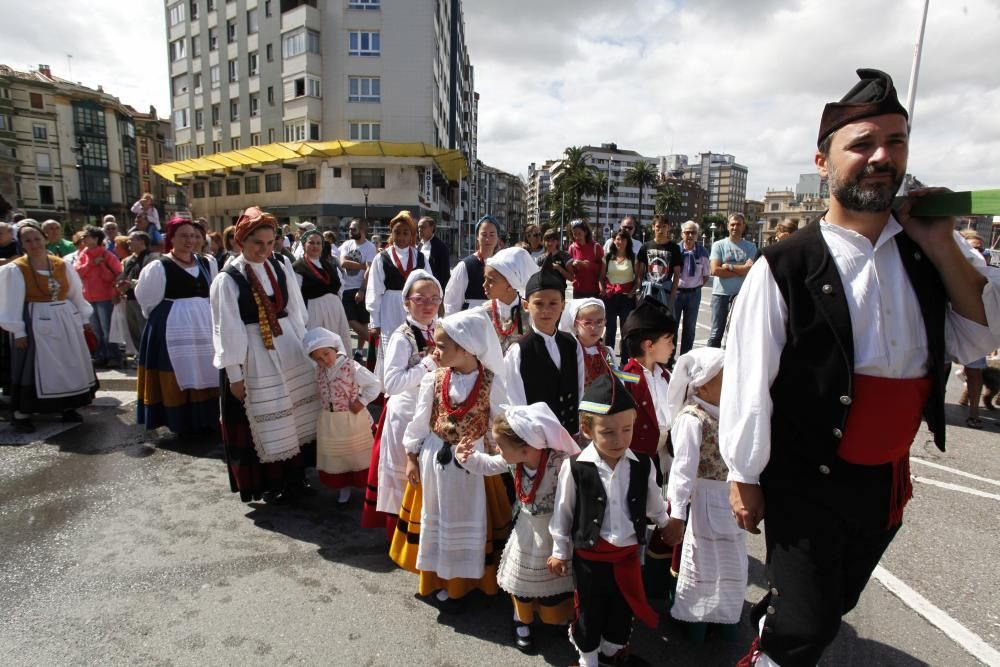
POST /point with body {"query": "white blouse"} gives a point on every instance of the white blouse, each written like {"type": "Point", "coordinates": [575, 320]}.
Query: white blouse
{"type": "Point", "coordinates": [12, 297]}
{"type": "Point", "coordinates": [397, 377]}
{"type": "Point", "coordinates": [152, 283]}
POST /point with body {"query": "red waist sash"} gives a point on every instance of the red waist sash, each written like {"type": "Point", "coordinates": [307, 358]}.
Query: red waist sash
{"type": "Point", "coordinates": [628, 575]}
{"type": "Point", "coordinates": [884, 418]}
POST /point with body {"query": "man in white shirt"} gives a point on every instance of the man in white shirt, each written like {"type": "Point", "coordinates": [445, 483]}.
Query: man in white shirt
{"type": "Point", "coordinates": [627, 224]}
{"type": "Point", "coordinates": [356, 255]}
{"type": "Point", "coordinates": [858, 313]}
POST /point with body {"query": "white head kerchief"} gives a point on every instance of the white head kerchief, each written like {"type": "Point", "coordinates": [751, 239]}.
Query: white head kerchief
{"type": "Point", "coordinates": [516, 265]}
{"type": "Point", "coordinates": [473, 331]}
{"type": "Point", "coordinates": [538, 426]}
{"type": "Point", "coordinates": [419, 274]}
{"type": "Point", "coordinates": [573, 307]}
{"type": "Point", "coordinates": [691, 371]}
{"type": "Point", "coordinates": [319, 337]}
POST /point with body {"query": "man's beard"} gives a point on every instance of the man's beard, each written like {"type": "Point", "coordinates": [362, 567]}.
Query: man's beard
{"type": "Point", "coordinates": [355, 234]}
{"type": "Point", "coordinates": [868, 198]}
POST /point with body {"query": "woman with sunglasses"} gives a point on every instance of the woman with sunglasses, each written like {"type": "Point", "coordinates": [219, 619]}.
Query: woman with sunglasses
{"type": "Point", "coordinates": [533, 241]}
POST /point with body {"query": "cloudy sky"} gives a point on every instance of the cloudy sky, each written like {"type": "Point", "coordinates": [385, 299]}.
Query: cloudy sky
{"type": "Point", "coordinates": [746, 77]}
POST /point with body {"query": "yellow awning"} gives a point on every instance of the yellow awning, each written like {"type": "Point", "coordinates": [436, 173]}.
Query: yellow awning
{"type": "Point", "coordinates": [451, 162]}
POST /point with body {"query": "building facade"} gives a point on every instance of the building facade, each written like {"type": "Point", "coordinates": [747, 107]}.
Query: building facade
{"type": "Point", "coordinates": [723, 180]}
{"type": "Point", "coordinates": [503, 196]}
{"type": "Point", "coordinates": [155, 145]}
{"type": "Point", "coordinates": [692, 200]}
{"type": "Point", "coordinates": [248, 73]}
{"type": "Point", "coordinates": [786, 206]}
{"type": "Point", "coordinates": [539, 182]}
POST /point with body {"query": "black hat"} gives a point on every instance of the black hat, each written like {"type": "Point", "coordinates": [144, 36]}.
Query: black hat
{"type": "Point", "coordinates": [873, 95]}
{"type": "Point", "coordinates": [544, 280]}
{"type": "Point", "coordinates": [649, 315]}
{"type": "Point", "coordinates": [606, 396]}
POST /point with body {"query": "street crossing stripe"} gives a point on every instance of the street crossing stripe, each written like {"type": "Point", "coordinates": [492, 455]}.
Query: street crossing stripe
{"type": "Point", "coordinates": [955, 471]}
{"type": "Point", "coordinates": [957, 632]}
{"type": "Point", "coordinates": [956, 487]}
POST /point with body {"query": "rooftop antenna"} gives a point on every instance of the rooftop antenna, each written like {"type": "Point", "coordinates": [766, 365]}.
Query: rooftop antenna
{"type": "Point", "coordinates": [69, 65]}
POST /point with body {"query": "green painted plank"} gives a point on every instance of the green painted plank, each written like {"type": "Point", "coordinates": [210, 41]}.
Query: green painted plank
{"type": "Point", "coordinates": [979, 202]}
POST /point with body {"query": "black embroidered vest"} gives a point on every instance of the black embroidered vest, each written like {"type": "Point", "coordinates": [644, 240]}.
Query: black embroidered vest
{"type": "Point", "coordinates": [314, 287]}
{"type": "Point", "coordinates": [248, 307]}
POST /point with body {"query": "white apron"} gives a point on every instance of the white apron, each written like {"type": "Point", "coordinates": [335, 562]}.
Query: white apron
{"type": "Point", "coordinates": [62, 359]}
{"type": "Point", "coordinates": [343, 442]}
{"type": "Point", "coordinates": [189, 343]}
{"type": "Point", "coordinates": [392, 455]}
{"type": "Point", "coordinates": [119, 334]}
{"type": "Point", "coordinates": [523, 567]}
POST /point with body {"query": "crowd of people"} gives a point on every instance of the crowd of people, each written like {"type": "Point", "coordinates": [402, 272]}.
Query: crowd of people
{"type": "Point", "coordinates": [512, 447]}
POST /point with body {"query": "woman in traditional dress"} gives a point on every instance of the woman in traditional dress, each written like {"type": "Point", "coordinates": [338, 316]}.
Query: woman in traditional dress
{"type": "Point", "coordinates": [319, 279]}
{"type": "Point", "coordinates": [178, 386]}
{"type": "Point", "coordinates": [465, 287]}
{"type": "Point", "coordinates": [505, 278]}
{"type": "Point", "coordinates": [270, 402]}
{"type": "Point", "coordinates": [42, 306]}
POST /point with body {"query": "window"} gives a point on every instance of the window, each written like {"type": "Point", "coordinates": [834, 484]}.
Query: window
{"type": "Point", "coordinates": [270, 95]}
{"type": "Point", "coordinates": [213, 75]}
{"type": "Point", "coordinates": [255, 138]}
{"type": "Point", "coordinates": [269, 51]}
{"type": "Point", "coordinates": [43, 163]}
{"type": "Point", "coordinates": [213, 39]}
{"type": "Point", "coordinates": [267, 7]}
{"type": "Point", "coordinates": [177, 13]}
{"type": "Point", "coordinates": [46, 195]}
{"type": "Point", "coordinates": [234, 110]}
{"type": "Point", "coordinates": [215, 188]}
{"type": "Point", "coordinates": [775, 206]}
{"type": "Point", "coordinates": [251, 185]}
{"type": "Point", "coordinates": [216, 146]}
{"type": "Point", "coordinates": [179, 85]}
{"type": "Point", "coordinates": [295, 132]}
{"type": "Point", "coordinates": [199, 119]}
{"type": "Point", "coordinates": [364, 89]}
{"type": "Point", "coordinates": [253, 64]}
{"type": "Point", "coordinates": [307, 179]}
{"type": "Point", "coordinates": [336, 172]}
{"type": "Point", "coordinates": [40, 132]}
{"type": "Point", "coordinates": [210, 5]}
{"type": "Point", "coordinates": [232, 186]}
{"type": "Point", "coordinates": [313, 131]}
{"type": "Point", "coordinates": [194, 10]}
{"type": "Point", "coordinates": [272, 182]}
{"type": "Point", "coordinates": [200, 150]}
{"type": "Point", "coordinates": [299, 42]}
{"type": "Point", "coordinates": [5, 122]}
{"type": "Point", "coordinates": [181, 119]}
{"type": "Point", "coordinates": [230, 31]}
{"type": "Point", "coordinates": [234, 144]}
{"type": "Point", "coordinates": [363, 4]}
{"type": "Point", "coordinates": [270, 135]}
{"type": "Point", "coordinates": [252, 21]}
{"type": "Point", "coordinates": [197, 83]}
{"type": "Point", "coordinates": [216, 115]}
{"type": "Point", "coordinates": [365, 131]}
{"type": "Point", "coordinates": [178, 50]}
{"type": "Point", "coordinates": [234, 70]}
{"type": "Point", "coordinates": [195, 46]}
{"type": "Point", "coordinates": [372, 177]}
{"type": "Point", "coordinates": [198, 190]}
{"type": "Point", "coordinates": [306, 85]}
{"type": "Point", "coordinates": [364, 43]}
{"type": "Point", "coordinates": [254, 105]}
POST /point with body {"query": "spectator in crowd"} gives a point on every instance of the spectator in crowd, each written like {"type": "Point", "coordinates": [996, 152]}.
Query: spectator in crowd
{"type": "Point", "coordinates": [99, 269]}
{"type": "Point", "coordinates": [627, 224]}
{"type": "Point", "coordinates": [533, 241]}
{"type": "Point", "coordinates": [119, 246]}
{"type": "Point", "coordinates": [57, 245]}
{"type": "Point", "coordinates": [143, 224]}
{"type": "Point", "coordinates": [217, 247]}
{"type": "Point", "coordinates": [658, 264]}
{"type": "Point", "coordinates": [434, 250]}
{"type": "Point", "coordinates": [555, 261]}
{"type": "Point", "coordinates": [783, 230]}
{"type": "Point", "coordinates": [731, 259]}
{"type": "Point", "coordinates": [587, 256]}
{"type": "Point", "coordinates": [377, 241]}
{"type": "Point", "coordinates": [8, 247]}
{"type": "Point", "coordinates": [695, 269]}
{"type": "Point", "coordinates": [356, 255]}
{"type": "Point", "coordinates": [138, 243]}
{"type": "Point", "coordinates": [618, 288]}
{"type": "Point", "coordinates": [78, 247]}
{"type": "Point", "coordinates": [110, 227]}
{"type": "Point", "coordinates": [145, 207]}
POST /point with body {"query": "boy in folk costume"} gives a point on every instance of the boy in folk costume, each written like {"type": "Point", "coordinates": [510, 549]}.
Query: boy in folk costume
{"type": "Point", "coordinates": [343, 429]}
{"type": "Point", "coordinates": [585, 320]}
{"type": "Point", "coordinates": [546, 365]}
{"type": "Point", "coordinates": [408, 359]}
{"type": "Point", "coordinates": [712, 576]}
{"type": "Point", "coordinates": [452, 523]}
{"type": "Point", "coordinates": [533, 445]}
{"type": "Point", "coordinates": [603, 499]}
{"type": "Point", "coordinates": [505, 277]}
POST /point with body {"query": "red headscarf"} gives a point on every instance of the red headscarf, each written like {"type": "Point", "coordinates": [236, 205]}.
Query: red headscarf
{"type": "Point", "coordinates": [176, 223]}
{"type": "Point", "coordinates": [252, 220]}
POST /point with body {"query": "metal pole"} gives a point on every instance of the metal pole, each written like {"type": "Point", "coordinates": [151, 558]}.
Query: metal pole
{"type": "Point", "coordinates": [607, 200]}
{"type": "Point", "coordinates": [562, 222]}
{"type": "Point", "coordinates": [911, 94]}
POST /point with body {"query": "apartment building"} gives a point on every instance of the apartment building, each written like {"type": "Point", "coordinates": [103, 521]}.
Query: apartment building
{"type": "Point", "coordinates": [539, 182]}
{"type": "Point", "coordinates": [721, 177]}
{"type": "Point", "coordinates": [502, 195]}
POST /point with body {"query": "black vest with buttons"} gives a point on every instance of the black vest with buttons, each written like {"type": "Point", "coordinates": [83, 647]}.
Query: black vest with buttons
{"type": "Point", "coordinates": [248, 307]}
{"type": "Point", "coordinates": [812, 392]}
{"type": "Point", "coordinates": [559, 388]}
{"type": "Point", "coordinates": [592, 502]}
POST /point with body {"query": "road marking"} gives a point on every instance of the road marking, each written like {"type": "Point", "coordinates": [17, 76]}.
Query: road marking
{"type": "Point", "coordinates": [956, 487]}
{"type": "Point", "coordinates": [955, 471]}
{"type": "Point", "coordinates": [957, 632]}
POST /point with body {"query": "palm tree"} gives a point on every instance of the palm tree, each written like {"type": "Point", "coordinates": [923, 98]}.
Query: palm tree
{"type": "Point", "coordinates": [641, 175]}
{"type": "Point", "coordinates": [667, 201]}
{"type": "Point", "coordinates": [565, 198]}
{"type": "Point", "coordinates": [600, 187]}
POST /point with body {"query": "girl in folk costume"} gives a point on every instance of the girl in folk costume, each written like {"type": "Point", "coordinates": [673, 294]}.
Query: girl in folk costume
{"type": "Point", "coordinates": [506, 275]}
{"type": "Point", "coordinates": [388, 273]}
{"type": "Point", "coordinates": [465, 287]}
{"type": "Point", "coordinates": [319, 279]}
{"type": "Point", "coordinates": [344, 429]}
{"type": "Point", "coordinates": [585, 320]}
{"type": "Point", "coordinates": [453, 524]}
{"type": "Point", "coordinates": [42, 307]}
{"type": "Point", "coordinates": [270, 401]}
{"type": "Point", "coordinates": [407, 361]}
{"type": "Point", "coordinates": [178, 385]}
{"type": "Point", "coordinates": [533, 445]}
{"type": "Point", "coordinates": [712, 579]}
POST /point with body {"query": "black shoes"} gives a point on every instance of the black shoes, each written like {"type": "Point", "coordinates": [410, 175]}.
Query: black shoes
{"type": "Point", "coordinates": [71, 417]}
{"type": "Point", "coordinates": [525, 642]}
{"type": "Point", "coordinates": [22, 425]}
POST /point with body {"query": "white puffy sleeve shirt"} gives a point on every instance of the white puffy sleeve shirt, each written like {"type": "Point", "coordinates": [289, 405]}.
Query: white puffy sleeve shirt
{"type": "Point", "coordinates": [516, 394]}
{"type": "Point", "coordinates": [454, 291]}
{"type": "Point", "coordinates": [12, 297]}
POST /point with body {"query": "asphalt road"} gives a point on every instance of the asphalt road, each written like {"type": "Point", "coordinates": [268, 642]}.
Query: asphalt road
{"type": "Point", "coordinates": [119, 547]}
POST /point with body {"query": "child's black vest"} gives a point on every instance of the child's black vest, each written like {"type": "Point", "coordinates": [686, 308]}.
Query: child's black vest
{"type": "Point", "coordinates": [592, 501]}
{"type": "Point", "coordinates": [559, 388]}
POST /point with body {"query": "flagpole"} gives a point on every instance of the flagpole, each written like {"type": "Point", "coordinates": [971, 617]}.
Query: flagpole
{"type": "Point", "coordinates": [911, 94]}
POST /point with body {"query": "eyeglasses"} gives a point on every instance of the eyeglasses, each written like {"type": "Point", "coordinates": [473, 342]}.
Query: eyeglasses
{"type": "Point", "coordinates": [629, 229]}
{"type": "Point", "coordinates": [425, 300]}
{"type": "Point", "coordinates": [592, 324]}
{"type": "Point", "coordinates": [689, 231]}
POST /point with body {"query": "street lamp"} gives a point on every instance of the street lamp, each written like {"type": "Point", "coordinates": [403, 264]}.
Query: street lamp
{"type": "Point", "coordinates": [364, 190]}
{"type": "Point", "coordinates": [79, 151]}
{"type": "Point", "coordinates": [712, 229]}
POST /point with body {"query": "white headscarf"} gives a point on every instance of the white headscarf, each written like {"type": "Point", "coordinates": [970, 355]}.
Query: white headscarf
{"type": "Point", "coordinates": [691, 371]}
{"type": "Point", "coordinates": [573, 307]}
{"type": "Point", "coordinates": [420, 274]}
{"type": "Point", "coordinates": [473, 331]}
{"type": "Point", "coordinates": [538, 426]}
{"type": "Point", "coordinates": [319, 337]}
{"type": "Point", "coordinates": [516, 265]}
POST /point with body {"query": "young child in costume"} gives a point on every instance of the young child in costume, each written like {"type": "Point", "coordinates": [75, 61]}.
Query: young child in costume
{"type": "Point", "coordinates": [407, 361]}
{"type": "Point", "coordinates": [603, 498]}
{"type": "Point", "coordinates": [452, 523]}
{"type": "Point", "coordinates": [533, 445]}
{"type": "Point", "coordinates": [344, 427]}
{"type": "Point", "coordinates": [711, 583]}
{"type": "Point", "coordinates": [504, 279]}
{"type": "Point", "coordinates": [546, 365]}
{"type": "Point", "coordinates": [585, 319]}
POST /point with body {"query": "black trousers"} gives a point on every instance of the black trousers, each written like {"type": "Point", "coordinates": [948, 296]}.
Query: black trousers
{"type": "Point", "coordinates": [824, 539]}
{"type": "Point", "coordinates": [602, 611]}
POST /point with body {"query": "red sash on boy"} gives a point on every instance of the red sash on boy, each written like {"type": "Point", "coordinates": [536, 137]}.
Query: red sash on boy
{"type": "Point", "coordinates": [884, 418]}
{"type": "Point", "coordinates": [628, 575]}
